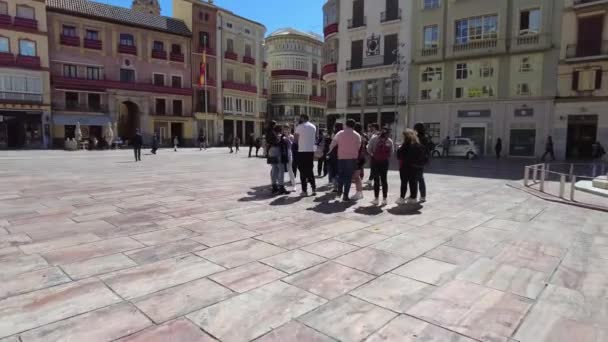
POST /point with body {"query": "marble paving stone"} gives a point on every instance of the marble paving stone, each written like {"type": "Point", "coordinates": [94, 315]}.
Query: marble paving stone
{"type": "Point", "coordinates": [92, 326]}
{"type": "Point", "coordinates": [294, 332]}
{"type": "Point", "coordinates": [178, 222]}
{"type": "Point", "coordinates": [504, 224]}
{"type": "Point", "coordinates": [361, 238]}
{"type": "Point", "coordinates": [11, 240]}
{"type": "Point", "coordinates": [579, 271]}
{"type": "Point", "coordinates": [94, 227]}
{"type": "Point", "coordinates": [10, 251]}
{"type": "Point", "coordinates": [479, 240]}
{"type": "Point", "coordinates": [520, 281]}
{"type": "Point", "coordinates": [139, 281]}
{"type": "Point", "coordinates": [525, 258]}
{"type": "Point", "coordinates": [329, 280]}
{"type": "Point", "coordinates": [181, 300]}
{"type": "Point", "coordinates": [161, 252]}
{"type": "Point", "coordinates": [409, 329]}
{"type": "Point", "coordinates": [330, 248]}
{"type": "Point", "coordinates": [347, 319]}
{"type": "Point", "coordinates": [10, 339]}
{"type": "Point", "coordinates": [464, 223]}
{"type": "Point", "coordinates": [31, 281]}
{"type": "Point", "coordinates": [292, 238]}
{"type": "Point", "coordinates": [244, 278]}
{"type": "Point", "coordinates": [254, 313]}
{"type": "Point", "coordinates": [451, 255]}
{"type": "Point", "coordinates": [240, 252]}
{"type": "Point", "coordinates": [293, 261]}
{"type": "Point", "coordinates": [95, 216]}
{"type": "Point", "coordinates": [427, 270]}
{"type": "Point", "coordinates": [393, 292]}
{"type": "Point", "coordinates": [216, 224]}
{"type": "Point", "coordinates": [90, 250]}
{"type": "Point", "coordinates": [372, 260]}
{"type": "Point", "coordinates": [340, 227]}
{"type": "Point", "coordinates": [129, 229]}
{"type": "Point", "coordinates": [417, 241]}
{"type": "Point", "coordinates": [174, 331]}
{"type": "Point", "coordinates": [57, 243]}
{"type": "Point", "coordinates": [16, 264]}
{"type": "Point", "coordinates": [34, 309]}
{"type": "Point", "coordinates": [106, 264]}
{"type": "Point", "coordinates": [163, 236]}
{"type": "Point", "coordinates": [473, 310]}
{"type": "Point", "coordinates": [220, 236]}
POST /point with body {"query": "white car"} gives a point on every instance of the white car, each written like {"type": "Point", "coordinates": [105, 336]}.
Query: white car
{"type": "Point", "coordinates": [459, 147]}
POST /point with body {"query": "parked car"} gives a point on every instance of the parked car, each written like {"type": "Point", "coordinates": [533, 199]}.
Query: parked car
{"type": "Point", "coordinates": [459, 147]}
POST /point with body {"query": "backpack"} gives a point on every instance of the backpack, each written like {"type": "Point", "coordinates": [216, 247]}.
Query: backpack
{"type": "Point", "coordinates": [382, 152]}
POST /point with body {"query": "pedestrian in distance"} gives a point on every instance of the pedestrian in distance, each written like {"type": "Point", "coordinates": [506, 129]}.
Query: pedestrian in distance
{"type": "Point", "coordinates": [258, 145]}
{"type": "Point", "coordinates": [230, 143]}
{"type": "Point", "coordinates": [237, 144]}
{"type": "Point", "coordinates": [251, 142]}
{"type": "Point", "coordinates": [175, 143]}
{"type": "Point", "coordinates": [446, 147]}
{"type": "Point", "coordinates": [294, 153]}
{"type": "Point", "coordinates": [597, 151]}
{"type": "Point", "coordinates": [380, 148]}
{"type": "Point", "coordinates": [348, 143]}
{"type": "Point", "coordinates": [202, 141]}
{"type": "Point", "coordinates": [411, 157]}
{"type": "Point", "coordinates": [154, 143]}
{"type": "Point", "coordinates": [358, 174]}
{"type": "Point", "coordinates": [137, 143]}
{"type": "Point", "coordinates": [277, 159]}
{"type": "Point", "coordinates": [548, 149]}
{"type": "Point", "coordinates": [320, 153]}
{"type": "Point", "coordinates": [426, 142]}
{"type": "Point", "coordinates": [305, 137]}
{"type": "Point", "coordinates": [289, 166]}
{"type": "Point", "coordinates": [374, 130]}
{"type": "Point", "coordinates": [498, 148]}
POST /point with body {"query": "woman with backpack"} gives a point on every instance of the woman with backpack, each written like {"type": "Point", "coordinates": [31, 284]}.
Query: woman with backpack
{"type": "Point", "coordinates": [380, 148]}
{"type": "Point", "coordinates": [278, 158]}
{"type": "Point", "coordinates": [412, 158]}
{"type": "Point", "coordinates": [426, 142]}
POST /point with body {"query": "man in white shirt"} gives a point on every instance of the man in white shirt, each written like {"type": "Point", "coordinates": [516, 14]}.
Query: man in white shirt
{"type": "Point", "coordinates": [306, 136]}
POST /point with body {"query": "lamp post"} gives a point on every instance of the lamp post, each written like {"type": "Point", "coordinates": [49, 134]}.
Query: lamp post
{"type": "Point", "coordinates": [400, 65]}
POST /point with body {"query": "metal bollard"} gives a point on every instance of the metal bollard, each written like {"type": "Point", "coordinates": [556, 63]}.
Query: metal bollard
{"type": "Point", "coordinates": [542, 178]}
{"type": "Point", "coordinates": [572, 187]}
{"type": "Point", "coordinates": [562, 185]}
{"type": "Point", "coordinates": [571, 172]}
{"type": "Point", "coordinates": [534, 169]}
{"type": "Point", "coordinates": [526, 175]}
{"type": "Point", "coordinates": [593, 172]}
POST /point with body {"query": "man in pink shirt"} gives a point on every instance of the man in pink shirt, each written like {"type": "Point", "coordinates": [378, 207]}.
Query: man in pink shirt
{"type": "Point", "coordinates": [348, 143]}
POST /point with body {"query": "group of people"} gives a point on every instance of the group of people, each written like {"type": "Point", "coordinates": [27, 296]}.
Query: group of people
{"type": "Point", "coordinates": [342, 156]}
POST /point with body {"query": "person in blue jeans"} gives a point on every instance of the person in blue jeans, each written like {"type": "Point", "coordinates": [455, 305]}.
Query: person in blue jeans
{"type": "Point", "coordinates": [348, 143]}
{"type": "Point", "coordinates": [278, 160]}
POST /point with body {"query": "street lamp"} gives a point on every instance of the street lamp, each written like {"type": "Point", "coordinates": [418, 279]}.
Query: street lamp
{"type": "Point", "coordinates": [400, 65]}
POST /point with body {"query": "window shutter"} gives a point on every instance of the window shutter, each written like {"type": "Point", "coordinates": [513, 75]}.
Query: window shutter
{"type": "Point", "coordinates": [575, 76]}
{"type": "Point", "coordinates": [598, 79]}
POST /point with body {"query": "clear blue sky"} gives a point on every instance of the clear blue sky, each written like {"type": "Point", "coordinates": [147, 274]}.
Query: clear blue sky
{"type": "Point", "coordinates": [305, 15]}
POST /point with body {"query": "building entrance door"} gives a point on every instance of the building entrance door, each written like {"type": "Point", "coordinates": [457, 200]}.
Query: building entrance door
{"type": "Point", "coordinates": [177, 130]}
{"type": "Point", "coordinates": [582, 132]}
{"type": "Point", "coordinates": [477, 134]}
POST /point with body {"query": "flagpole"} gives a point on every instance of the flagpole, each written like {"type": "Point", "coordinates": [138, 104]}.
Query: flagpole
{"type": "Point", "coordinates": [206, 97]}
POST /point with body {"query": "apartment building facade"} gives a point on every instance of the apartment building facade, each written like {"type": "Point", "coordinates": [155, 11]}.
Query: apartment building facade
{"type": "Point", "coordinates": [296, 88]}
{"type": "Point", "coordinates": [121, 66]}
{"type": "Point", "coordinates": [486, 70]}
{"type": "Point", "coordinates": [366, 57]}
{"type": "Point", "coordinates": [581, 108]}
{"type": "Point", "coordinates": [25, 94]}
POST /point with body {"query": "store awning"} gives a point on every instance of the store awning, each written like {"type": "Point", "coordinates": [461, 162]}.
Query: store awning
{"type": "Point", "coordinates": [85, 120]}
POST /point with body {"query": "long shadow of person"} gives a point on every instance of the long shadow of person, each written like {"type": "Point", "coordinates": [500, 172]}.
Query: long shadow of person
{"type": "Point", "coordinates": [259, 193]}
{"type": "Point", "coordinates": [286, 200]}
{"type": "Point", "coordinates": [406, 210]}
{"type": "Point", "coordinates": [329, 208]}
{"type": "Point", "coordinates": [373, 210]}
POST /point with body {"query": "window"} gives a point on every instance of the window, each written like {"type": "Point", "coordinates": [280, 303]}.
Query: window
{"type": "Point", "coordinates": [587, 79]}
{"type": "Point", "coordinates": [158, 46]}
{"type": "Point", "coordinates": [429, 4]}
{"type": "Point", "coordinates": [431, 36]}
{"type": "Point", "coordinates": [69, 31]}
{"type": "Point", "coordinates": [70, 70]}
{"type": "Point", "coordinates": [248, 78]}
{"type": "Point", "coordinates": [525, 65]}
{"type": "Point", "coordinates": [4, 45]}
{"type": "Point", "coordinates": [176, 49]}
{"type": "Point", "coordinates": [71, 100]}
{"type": "Point", "coordinates": [425, 94]}
{"type": "Point", "coordinates": [20, 84]}
{"type": "Point", "coordinates": [92, 35]}
{"type": "Point", "coordinates": [486, 70]}
{"type": "Point", "coordinates": [523, 89]}
{"type": "Point", "coordinates": [160, 106]}
{"type": "Point", "coordinates": [206, 16]}
{"type": "Point", "coordinates": [127, 75]}
{"type": "Point", "coordinates": [159, 80]}
{"type": "Point", "coordinates": [247, 50]}
{"type": "Point", "coordinates": [176, 81]}
{"type": "Point", "coordinates": [93, 73]}
{"type": "Point", "coordinates": [204, 39]}
{"type": "Point", "coordinates": [354, 93]}
{"type": "Point", "coordinates": [177, 107]}
{"type": "Point", "coordinates": [127, 39]}
{"type": "Point", "coordinates": [459, 92]}
{"type": "Point", "coordinates": [431, 74]}
{"type": "Point", "coordinates": [433, 130]}
{"type": "Point", "coordinates": [230, 45]}
{"type": "Point", "coordinates": [248, 106]}
{"type": "Point", "coordinates": [529, 21]}
{"type": "Point", "coordinates": [229, 75]}
{"type": "Point", "coordinates": [247, 31]}
{"type": "Point", "coordinates": [239, 105]}
{"type": "Point", "coordinates": [3, 8]}
{"type": "Point", "coordinates": [462, 71]}
{"type": "Point", "coordinates": [228, 103]}
{"type": "Point", "coordinates": [27, 48]}
{"type": "Point", "coordinates": [388, 91]}
{"type": "Point", "coordinates": [476, 28]}
{"type": "Point", "coordinates": [26, 12]}
{"type": "Point", "coordinates": [94, 101]}
{"type": "Point", "coordinates": [229, 25]}
{"type": "Point", "coordinates": [372, 92]}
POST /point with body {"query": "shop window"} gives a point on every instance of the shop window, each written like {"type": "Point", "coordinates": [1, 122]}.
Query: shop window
{"type": "Point", "coordinates": [522, 142]}
{"type": "Point", "coordinates": [433, 131]}
{"type": "Point", "coordinates": [69, 132]}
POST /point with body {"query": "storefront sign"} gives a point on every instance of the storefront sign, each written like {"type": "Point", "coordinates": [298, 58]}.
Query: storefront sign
{"type": "Point", "coordinates": [524, 112]}
{"type": "Point", "coordinates": [486, 113]}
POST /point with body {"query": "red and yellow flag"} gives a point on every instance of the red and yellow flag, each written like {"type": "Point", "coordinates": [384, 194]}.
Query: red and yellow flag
{"type": "Point", "coordinates": [203, 73]}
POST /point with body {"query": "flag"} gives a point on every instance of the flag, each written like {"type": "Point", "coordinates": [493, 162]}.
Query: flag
{"type": "Point", "coordinates": [203, 73]}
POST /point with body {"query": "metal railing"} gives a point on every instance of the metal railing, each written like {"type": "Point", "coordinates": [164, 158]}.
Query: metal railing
{"type": "Point", "coordinates": [587, 48]}
{"type": "Point", "coordinates": [566, 174]}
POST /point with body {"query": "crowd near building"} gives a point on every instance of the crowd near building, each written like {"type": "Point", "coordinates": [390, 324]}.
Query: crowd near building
{"type": "Point", "coordinates": [515, 70]}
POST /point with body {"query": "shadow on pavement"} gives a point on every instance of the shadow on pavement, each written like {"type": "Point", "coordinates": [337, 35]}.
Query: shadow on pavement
{"type": "Point", "coordinates": [406, 210]}
{"type": "Point", "coordinates": [331, 207]}
{"type": "Point", "coordinates": [373, 210]}
{"type": "Point", "coordinates": [259, 193]}
{"type": "Point", "coordinates": [286, 200]}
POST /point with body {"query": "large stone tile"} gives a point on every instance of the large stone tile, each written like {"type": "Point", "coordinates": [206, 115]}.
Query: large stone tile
{"type": "Point", "coordinates": [12, 240]}
{"type": "Point", "coordinates": [90, 250]}
{"type": "Point", "coordinates": [409, 329]}
{"type": "Point", "coordinates": [579, 271]}
{"type": "Point", "coordinates": [504, 224]}
{"type": "Point", "coordinates": [292, 238]}
{"type": "Point", "coordinates": [473, 310]}
{"type": "Point", "coordinates": [92, 326]}
{"type": "Point", "coordinates": [174, 331]}
{"type": "Point", "coordinates": [330, 248]}
{"type": "Point", "coordinates": [97, 266]}
{"type": "Point", "coordinates": [361, 238]}
{"type": "Point", "coordinates": [142, 280]}
{"type": "Point", "coordinates": [293, 261]}
{"type": "Point", "coordinates": [372, 260]}
{"type": "Point", "coordinates": [16, 264]}
{"type": "Point", "coordinates": [247, 277]}
{"type": "Point", "coordinates": [465, 222]}
{"type": "Point", "coordinates": [163, 236]}
{"type": "Point", "coordinates": [479, 240]}
{"type": "Point", "coordinates": [393, 292]}
{"type": "Point", "coordinates": [252, 314]}
{"type": "Point", "coordinates": [31, 281]}
{"type": "Point", "coordinates": [416, 241]}
{"type": "Point", "coordinates": [161, 252]}
{"type": "Point", "coordinates": [390, 228]}
{"type": "Point", "coordinates": [523, 257]}
{"type": "Point", "coordinates": [181, 300]}
{"type": "Point", "coordinates": [294, 332]}
{"type": "Point", "coordinates": [347, 319]}
{"type": "Point", "coordinates": [428, 271]}
{"type": "Point", "coordinates": [452, 255]}
{"type": "Point", "coordinates": [31, 310]}
{"type": "Point", "coordinates": [10, 252]}
{"type": "Point", "coordinates": [220, 236]}
{"type": "Point", "coordinates": [240, 252]}
{"type": "Point", "coordinates": [57, 243]}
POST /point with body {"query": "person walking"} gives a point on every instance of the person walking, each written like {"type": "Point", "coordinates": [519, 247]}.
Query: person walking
{"type": "Point", "coordinates": [258, 145]}
{"type": "Point", "coordinates": [137, 143]}
{"type": "Point", "coordinates": [202, 141]}
{"type": "Point", "coordinates": [548, 149]}
{"type": "Point", "coordinates": [348, 143]}
{"type": "Point", "coordinates": [597, 151]}
{"type": "Point", "coordinates": [498, 148]}
{"type": "Point", "coordinates": [175, 143]}
{"type": "Point", "coordinates": [305, 137]}
{"type": "Point", "coordinates": [380, 148]}
{"type": "Point", "coordinates": [277, 158]}
{"type": "Point", "coordinates": [427, 144]}
{"type": "Point", "coordinates": [237, 144]}
{"type": "Point", "coordinates": [230, 143]}
{"type": "Point", "coordinates": [289, 166]}
{"type": "Point", "coordinates": [320, 153]}
{"type": "Point", "coordinates": [446, 147]}
{"type": "Point", "coordinates": [374, 130]}
{"type": "Point", "coordinates": [154, 143]}
{"type": "Point", "coordinates": [411, 161]}
{"type": "Point", "coordinates": [358, 174]}
{"type": "Point", "coordinates": [251, 143]}
{"type": "Point", "coordinates": [332, 158]}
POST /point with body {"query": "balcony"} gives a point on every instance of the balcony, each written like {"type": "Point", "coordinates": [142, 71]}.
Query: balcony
{"type": "Point", "coordinates": [368, 62]}
{"type": "Point", "coordinates": [290, 97]}
{"type": "Point", "coordinates": [69, 40]}
{"type": "Point", "coordinates": [176, 57]}
{"type": "Point", "coordinates": [587, 49]}
{"type": "Point", "coordinates": [330, 29]}
{"type": "Point", "coordinates": [475, 45]}
{"type": "Point", "coordinates": [93, 44]}
{"type": "Point", "coordinates": [290, 72]}
{"type": "Point", "coordinates": [25, 24]}
{"type": "Point", "coordinates": [355, 102]}
{"type": "Point", "coordinates": [159, 54]}
{"type": "Point", "coordinates": [315, 76]}
{"type": "Point", "coordinates": [80, 107]}
{"type": "Point", "coordinates": [5, 21]}
{"type": "Point", "coordinates": [388, 100]}
{"type": "Point", "coordinates": [588, 3]}
{"type": "Point", "coordinates": [103, 85]}
{"type": "Point", "coordinates": [318, 99]}
{"type": "Point", "coordinates": [211, 108]}
{"type": "Point", "coordinates": [231, 55]}
{"type": "Point", "coordinates": [14, 97]}
{"type": "Point", "coordinates": [248, 60]}
{"type": "Point", "coordinates": [208, 50]}
{"type": "Point", "coordinates": [430, 51]}
{"type": "Point", "coordinates": [239, 86]}
{"type": "Point", "coordinates": [357, 22]}
{"type": "Point", "coordinates": [331, 104]}
{"type": "Point", "coordinates": [30, 62]}
{"type": "Point", "coordinates": [330, 69]}
{"type": "Point", "coordinates": [7, 59]}
{"type": "Point", "coordinates": [127, 49]}
{"type": "Point", "coordinates": [390, 16]}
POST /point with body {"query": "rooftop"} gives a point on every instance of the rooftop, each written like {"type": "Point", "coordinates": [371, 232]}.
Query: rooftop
{"type": "Point", "coordinates": [291, 31]}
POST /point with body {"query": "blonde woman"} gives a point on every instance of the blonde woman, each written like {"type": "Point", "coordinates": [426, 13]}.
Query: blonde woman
{"type": "Point", "coordinates": [412, 158]}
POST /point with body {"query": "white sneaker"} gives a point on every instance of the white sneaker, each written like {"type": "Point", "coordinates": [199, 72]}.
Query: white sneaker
{"type": "Point", "coordinates": [411, 201]}
{"type": "Point", "coordinates": [375, 201]}
{"type": "Point", "coordinates": [422, 200]}
{"type": "Point", "coordinates": [400, 201]}
{"type": "Point", "coordinates": [384, 202]}
{"type": "Point", "coordinates": [358, 196]}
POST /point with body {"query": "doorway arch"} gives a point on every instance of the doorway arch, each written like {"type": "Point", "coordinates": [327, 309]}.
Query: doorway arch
{"type": "Point", "coordinates": [128, 120]}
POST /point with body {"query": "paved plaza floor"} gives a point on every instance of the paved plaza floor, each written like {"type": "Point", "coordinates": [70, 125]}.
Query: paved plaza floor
{"type": "Point", "coordinates": [189, 246]}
